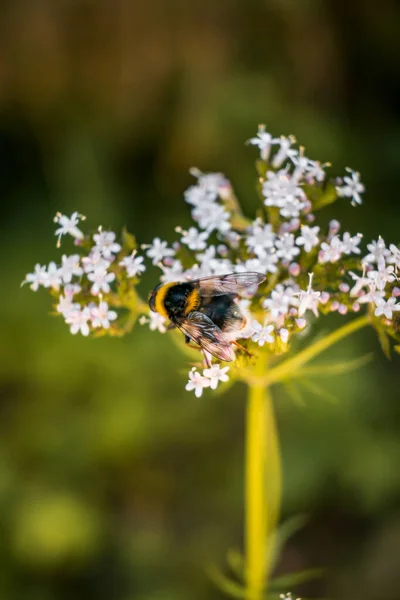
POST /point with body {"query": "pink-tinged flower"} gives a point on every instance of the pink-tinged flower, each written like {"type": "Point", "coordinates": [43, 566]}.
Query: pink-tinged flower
{"type": "Point", "coordinates": [262, 333]}
{"type": "Point", "coordinates": [133, 264]}
{"type": "Point", "coordinates": [308, 238]}
{"type": "Point", "coordinates": [197, 383]}
{"type": "Point", "coordinates": [309, 299]}
{"type": "Point", "coordinates": [106, 244]}
{"type": "Point", "coordinates": [70, 267]}
{"type": "Point", "coordinates": [386, 307]}
{"type": "Point", "coordinates": [216, 374]}
{"type": "Point", "coordinates": [101, 315]}
{"type": "Point", "coordinates": [37, 278]}
{"type": "Point", "coordinates": [101, 281]}
{"type": "Point", "coordinates": [78, 321]}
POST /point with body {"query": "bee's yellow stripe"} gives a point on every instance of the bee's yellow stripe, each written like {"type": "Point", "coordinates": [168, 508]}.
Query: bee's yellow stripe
{"type": "Point", "coordinates": [192, 301]}
{"type": "Point", "coordinates": [160, 297]}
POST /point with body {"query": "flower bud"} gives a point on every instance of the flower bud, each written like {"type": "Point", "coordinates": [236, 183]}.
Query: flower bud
{"type": "Point", "coordinates": [324, 297]}
{"type": "Point", "coordinates": [342, 309]}
{"type": "Point", "coordinates": [294, 269]}
{"type": "Point", "coordinates": [344, 287]}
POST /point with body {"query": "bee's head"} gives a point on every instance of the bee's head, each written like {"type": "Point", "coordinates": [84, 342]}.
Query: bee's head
{"type": "Point", "coordinates": [152, 297]}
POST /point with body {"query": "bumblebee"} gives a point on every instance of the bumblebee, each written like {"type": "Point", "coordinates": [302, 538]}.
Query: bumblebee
{"type": "Point", "coordinates": [206, 309]}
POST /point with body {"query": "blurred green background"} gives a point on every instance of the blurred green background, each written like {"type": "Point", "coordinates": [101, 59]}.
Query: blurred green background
{"type": "Point", "coordinates": [115, 483]}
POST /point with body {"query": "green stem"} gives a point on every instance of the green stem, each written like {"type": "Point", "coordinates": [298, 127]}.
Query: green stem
{"type": "Point", "coordinates": [285, 369]}
{"type": "Point", "coordinates": [262, 485]}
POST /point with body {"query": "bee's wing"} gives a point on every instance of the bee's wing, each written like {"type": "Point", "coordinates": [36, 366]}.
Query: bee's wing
{"type": "Point", "coordinates": [232, 283]}
{"type": "Point", "coordinates": [207, 335]}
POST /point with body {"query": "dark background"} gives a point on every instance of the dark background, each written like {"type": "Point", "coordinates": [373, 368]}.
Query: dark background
{"type": "Point", "coordinates": [115, 483]}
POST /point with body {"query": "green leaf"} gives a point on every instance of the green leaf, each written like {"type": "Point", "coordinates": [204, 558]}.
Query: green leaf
{"type": "Point", "coordinates": [384, 341]}
{"type": "Point", "coordinates": [293, 392]}
{"type": "Point", "coordinates": [236, 562]}
{"type": "Point", "coordinates": [318, 391]}
{"type": "Point", "coordinates": [287, 582]}
{"type": "Point", "coordinates": [328, 196]}
{"type": "Point", "coordinates": [128, 241]}
{"type": "Point", "coordinates": [283, 533]}
{"type": "Point", "coordinates": [226, 585]}
{"type": "Point", "coordinates": [335, 368]}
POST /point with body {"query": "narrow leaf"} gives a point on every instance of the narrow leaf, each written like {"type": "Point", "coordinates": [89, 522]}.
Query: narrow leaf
{"type": "Point", "coordinates": [294, 393]}
{"type": "Point", "coordinates": [287, 582]}
{"type": "Point", "coordinates": [318, 391]}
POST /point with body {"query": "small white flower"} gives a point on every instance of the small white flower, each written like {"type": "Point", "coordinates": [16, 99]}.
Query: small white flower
{"type": "Point", "coordinates": [374, 296]}
{"type": "Point", "coordinates": [106, 244]}
{"type": "Point", "coordinates": [377, 251]}
{"type": "Point", "coordinates": [211, 216]}
{"type": "Point", "coordinates": [172, 273]}
{"type": "Point", "coordinates": [101, 281]}
{"type": "Point", "coordinates": [196, 195]}
{"type": "Point", "coordinates": [281, 190]}
{"type": "Point", "coordinates": [309, 299]}
{"type": "Point", "coordinates": [70, 267]}
{"type": "Point", "coordinates": [285, 151]}
{"type": "Point", "coordinates": [94, 261]}
{"type": "Point", "coordinates": [352, 187]}
{"type": "Point", "coordinates": [195, 239]}
{"type": "Point", "coordinates": [350, 243]}
{"type": "Point", "coordinates": [65, 306]}
{"type": "Point", "coordinates": [156, 322]}
{"type": "Point", "coordinates": [394, 256]}
{"type": "Point", "coordinates": [260, 237]}
{"type": "Point", "coordinates": [215, 374]}
{"type": "Point", "coordinates": [331, 252]}
{"type": "Point", "coordinates": [280, 300]}
{"type": "Point", "coordinates": [101, 315]}
{"type": "Point", "coordinates": [361, 282]}
{"type": "Point", "coordinates": [215, 184]}
{"type": "Point", "coordinates": [133, 264]}
{"type": "Point", "coordinates": [68, 225]}
{"type": "Point", "coordinates": [285, 247]}
{"type": "Point", "coordinates": [54, 277]}
{"type": "Point", "coordinates": [386, 307]}
{"type": "Point", "coordinates": [263, 141]}
{"type": "Point", "coordinates": [71, 289]}
{"type": "Point", "coordinates": [37, 278]}
{"type": "Point", "coordinates": [262, 333]}
{"type": "Point", "coordinates": [308, 238]}
{"type": "Point", "coordinates": [197, 382]}
{"type": "Point", "coordinates": [158, 250]}
{"type": "Point", "coordinates": [382, 275]}
{"type": "Point", "coordinates": [292, 208]}
{"type": "Point", "coordinates": [78, 321]}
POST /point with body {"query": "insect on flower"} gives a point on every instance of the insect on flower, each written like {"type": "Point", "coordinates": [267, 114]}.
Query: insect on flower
{"type": "Point", "coordinates": [206, 310]}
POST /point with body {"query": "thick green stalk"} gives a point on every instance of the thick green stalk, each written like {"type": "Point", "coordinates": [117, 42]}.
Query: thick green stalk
{"type": "Point", "coordinates": [262, 485]}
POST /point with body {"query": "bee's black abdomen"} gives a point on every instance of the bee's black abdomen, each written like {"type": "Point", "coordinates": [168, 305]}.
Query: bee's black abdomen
{"type": "Point", "coordinates": [224, 312]}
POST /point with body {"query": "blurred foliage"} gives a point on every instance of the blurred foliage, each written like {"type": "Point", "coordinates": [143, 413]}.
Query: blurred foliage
{"type": "Point", "coordinates": [114, 482]}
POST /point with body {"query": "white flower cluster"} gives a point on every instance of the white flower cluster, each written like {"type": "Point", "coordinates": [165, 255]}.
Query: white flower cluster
{"type": "Point", "coordinates": [79, 277]}
{"type": "Point", "coordinates": [309, 270]}
{"type": "Point", "coordinates": [211, 378]}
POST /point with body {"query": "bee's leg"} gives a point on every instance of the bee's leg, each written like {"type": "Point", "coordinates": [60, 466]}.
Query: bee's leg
{"type": "Point", "coordinates": [171, 326]}
{"type": "Point", "coordinates": [242, 348]}
{"type": "Point", "coordinates": [189, 343]}
{"type": "Point", "coordinates": [207, 361]}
